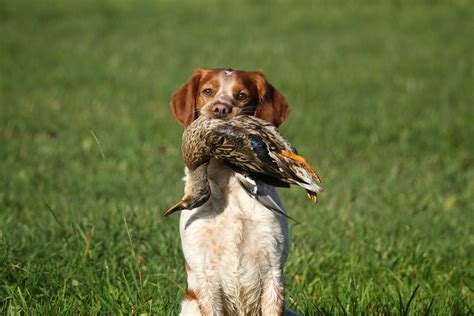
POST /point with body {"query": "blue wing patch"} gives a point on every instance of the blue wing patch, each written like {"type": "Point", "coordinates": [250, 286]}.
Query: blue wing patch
{"type": "Point", "coordinates": [259, 147]}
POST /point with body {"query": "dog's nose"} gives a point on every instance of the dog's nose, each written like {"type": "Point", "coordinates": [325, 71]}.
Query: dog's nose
{"type": "Point", "coordinates": [220, 110]}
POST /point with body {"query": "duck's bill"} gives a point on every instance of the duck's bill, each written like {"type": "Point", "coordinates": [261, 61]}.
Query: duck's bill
{"type": "Point", "coordinates": [181, 205]}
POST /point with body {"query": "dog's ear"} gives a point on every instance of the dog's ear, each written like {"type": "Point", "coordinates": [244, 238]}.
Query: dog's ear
{"type": "Point", "coordinates": [183, 101]}
{"type": "Point", "coordinates": [273, 105]}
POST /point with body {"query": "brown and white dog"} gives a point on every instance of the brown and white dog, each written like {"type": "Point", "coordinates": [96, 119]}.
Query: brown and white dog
{"type": "Point", "coordinates": [235, 248]}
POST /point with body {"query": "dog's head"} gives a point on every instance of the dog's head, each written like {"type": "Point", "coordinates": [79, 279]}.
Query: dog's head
{"type": "Point", "coordinates": [225, 93]}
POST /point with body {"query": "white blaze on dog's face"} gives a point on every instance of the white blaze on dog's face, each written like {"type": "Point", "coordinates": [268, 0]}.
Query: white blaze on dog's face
{"type": "Point", "coordinates": [225, 93]}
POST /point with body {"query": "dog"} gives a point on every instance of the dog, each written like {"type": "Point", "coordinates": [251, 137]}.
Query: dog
{"type": "Point", "coordinates": [235, 248]}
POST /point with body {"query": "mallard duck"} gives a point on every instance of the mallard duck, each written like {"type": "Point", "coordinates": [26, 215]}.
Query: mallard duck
{"type": "Point", "coordinates": [250, 146]}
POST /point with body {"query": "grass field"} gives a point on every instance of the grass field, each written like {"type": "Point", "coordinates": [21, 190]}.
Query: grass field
{"type": "Point", "coordinates": [382, 104]}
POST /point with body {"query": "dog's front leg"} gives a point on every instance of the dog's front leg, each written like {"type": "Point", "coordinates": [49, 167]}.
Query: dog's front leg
{"type": "Point", "coordinates": [204, 296]}
{"type": "Point", "coordinates": [209, 293]}
{"type": "Point", "coordinates": [273, 296]}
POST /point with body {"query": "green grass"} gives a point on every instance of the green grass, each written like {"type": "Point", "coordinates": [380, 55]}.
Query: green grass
{"type": "Point", "coordinates": [382, 104]}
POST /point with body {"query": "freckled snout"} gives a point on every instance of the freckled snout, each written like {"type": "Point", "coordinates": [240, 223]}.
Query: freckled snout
{"type": "Point", "coordinates": [221, 110]}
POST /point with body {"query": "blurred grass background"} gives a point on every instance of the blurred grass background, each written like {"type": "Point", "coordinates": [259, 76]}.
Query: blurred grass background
{"type": "Point", "coordinates": [382, 99]}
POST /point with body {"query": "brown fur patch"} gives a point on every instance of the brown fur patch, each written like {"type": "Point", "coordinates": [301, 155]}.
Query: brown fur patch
{"type": "Point", "coordinates": [186, 267]}
{"type": "Point", "coordinates": [189, 295]}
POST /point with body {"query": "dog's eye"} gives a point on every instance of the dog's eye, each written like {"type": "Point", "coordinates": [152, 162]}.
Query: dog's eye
{"type": "Point", "coordinates": [207, 91]}
{"type": "Point", "coordinates": [241, 96]}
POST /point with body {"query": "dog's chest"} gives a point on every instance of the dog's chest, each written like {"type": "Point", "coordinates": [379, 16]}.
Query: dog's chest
{"type": "Point", "coordinates": [232, 228]}
{"type": "Point", "coordinates": [232, 241]}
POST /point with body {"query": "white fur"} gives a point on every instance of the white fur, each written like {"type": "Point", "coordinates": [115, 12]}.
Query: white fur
{"type": "Point", "coordinates": [226, 83]}
{"type": "Point", "coordinates": [235, 249]}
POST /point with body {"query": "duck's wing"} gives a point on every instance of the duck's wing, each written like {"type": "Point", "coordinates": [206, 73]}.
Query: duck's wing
{"type": "Point", "coordinates": [285, 156]}
{"type": "Point", "coordinates": [245, 150]}
{"type": "Point", "coordinates": [251, 150]}
{"type": "Point", "coordinates": [256, 191]}
{"type": "Point", "coordinates": [261, 152]}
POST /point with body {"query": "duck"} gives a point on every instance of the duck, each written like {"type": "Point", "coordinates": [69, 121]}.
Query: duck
{"type": "Point", "coordinates": [254, 149]}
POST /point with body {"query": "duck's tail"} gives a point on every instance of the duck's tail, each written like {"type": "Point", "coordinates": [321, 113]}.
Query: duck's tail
{"type": "Point", "coordinates": [306, 176]}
